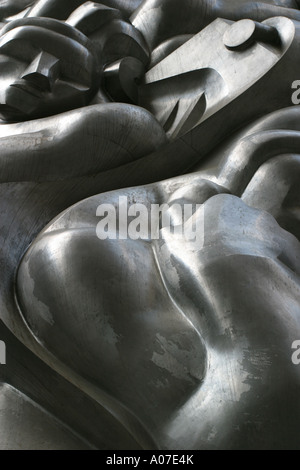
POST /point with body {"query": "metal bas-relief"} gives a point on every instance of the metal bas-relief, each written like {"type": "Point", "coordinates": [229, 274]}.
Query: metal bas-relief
{"type": "Point", "coordinates": [171, 327]}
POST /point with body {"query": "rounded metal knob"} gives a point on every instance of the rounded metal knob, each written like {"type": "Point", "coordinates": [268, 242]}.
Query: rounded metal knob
{"type": "Point", "coordinates": [243, 33]}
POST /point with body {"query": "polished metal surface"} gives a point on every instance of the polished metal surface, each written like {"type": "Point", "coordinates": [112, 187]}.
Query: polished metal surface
{"type": "Point", "coordinates": [13, 7]}
{"type": "Point", "coordinates": [47, 67]}
{"type": "Point", "coordinates": [131, 338]}
{"type": "Point", "coordinates": [159, 20]}
{"type": "Point", "coordinates": [61, 9]}
{"type": "Point", "coordinates": [192, 90]}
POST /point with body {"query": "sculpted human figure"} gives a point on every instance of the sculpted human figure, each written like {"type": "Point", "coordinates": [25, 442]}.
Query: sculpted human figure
{"type": "Point", "coordinates": [201, 319]}
{"type": "Point", "coordinates": [217, 320]}
{"type": "Point", "coordinates": [48, 68]}
{"type": "Point", "coordinates": [190, 106]}
{"type": "Point", "coordinates": [57, 67]}
{"type": "Point", "coordinates": [42, 71]}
